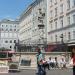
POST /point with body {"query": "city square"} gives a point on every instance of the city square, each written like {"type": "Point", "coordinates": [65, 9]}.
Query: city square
{"type": "Point", "coordinates": [35, 34]}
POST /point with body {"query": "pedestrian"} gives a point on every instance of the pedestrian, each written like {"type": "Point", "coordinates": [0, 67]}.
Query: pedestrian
{"type": "Point", "coordinates": [63, 63]}
{"type": "Point", "coordinates": [44, 63]}
{"type": "Point", "coordinates": [40, 58]}
{"type": "Point", "coordinates": [49, 63]}
{"type": "Point", "coordinates": [56, 63]}
{"type": "Point", "coordinates": [73, 57]}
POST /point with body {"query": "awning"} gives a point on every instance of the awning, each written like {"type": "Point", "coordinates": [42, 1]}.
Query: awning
{"type": "Point", "coordinates": [11, 51]}
{"type": "Point", "coordinates": [71, 44]}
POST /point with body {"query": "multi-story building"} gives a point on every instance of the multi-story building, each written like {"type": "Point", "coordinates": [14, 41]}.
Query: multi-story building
{"type": "Point", "coordinates": [34, 15]}
{"type": "Point", "coordinates": [61, 21]}
{"type": "Point", "coordinates": [58, 18]}
{"type": "Point", "coordinates": [8, 33]}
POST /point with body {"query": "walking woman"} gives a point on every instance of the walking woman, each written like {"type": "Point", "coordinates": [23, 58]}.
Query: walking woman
{"type": "Point", "coordinates": [40, 59]}
{"type": "Point", "coordinates": [73, 57]}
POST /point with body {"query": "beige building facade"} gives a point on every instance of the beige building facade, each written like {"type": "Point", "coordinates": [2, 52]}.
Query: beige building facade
{"type": "Point", "coordinates": [34, 15]}
{"type": "Point", "coordinates": [60, 21]}
{"type": "Point", "coordinates": [8, 33]}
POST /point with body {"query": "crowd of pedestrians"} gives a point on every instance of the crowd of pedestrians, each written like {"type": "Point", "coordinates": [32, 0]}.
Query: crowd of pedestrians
{"type": "Point", "coordinates": [43, 64]}
{"type": "Point", "coordinates": [54, 63]}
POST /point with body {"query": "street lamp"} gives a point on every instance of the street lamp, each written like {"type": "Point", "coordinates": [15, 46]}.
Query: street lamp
{"type": "Point", "coordinates": [65, 48]}
{"type": "Point", "coordinates": [61, 38]}
{"type": "Point", "coordinates": [16, 46]}
{"type": "Point", "coordinates": [64, 45]}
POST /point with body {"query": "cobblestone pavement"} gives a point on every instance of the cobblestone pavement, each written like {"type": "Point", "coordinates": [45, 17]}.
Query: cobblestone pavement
{"type": "Point", "coordinates": [49, 72]}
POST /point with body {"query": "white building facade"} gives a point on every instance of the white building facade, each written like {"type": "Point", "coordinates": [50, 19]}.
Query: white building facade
{"type": "Point", "coordinates": [8, 33]}
{"type": "Point", "coordinates": [29, 33]}
{"type": "Point", "coordinates": [60, 21]}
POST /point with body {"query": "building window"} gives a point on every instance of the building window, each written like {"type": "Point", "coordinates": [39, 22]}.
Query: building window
{"type": "Point", "coordinates": [73, 34]}
{"type": "Point", "coordinates": [14, 29]}
{"type": "Point", "coordinates": [6, 25]}
{"type": "Point", "coordinates": [55, 1]}
{"type": "Point", "coordinates": [55, 24]}
{"type": "Point", "coordinates": [10, 41]}
{"type": "Point", "coordinates": [55, 12]}
{"type": "Point", "coordinates": [65, 35]}
{"type": "Point", "coordinates": [73, 3]}
{"type": "Point", "coordinates": [50, 2]}
{"type": "Point", "coordinates": [14, 41]}
{"type": "Point", "coordinates": [68, 20]}
{"type": "Point", "coordinates": [41, 21]}
{"type": "Point", "coordinates": [51, 38]}
{"type": "Point", "coordinates": [74, 18]}
{"type": "Point", "coordinates": [2, 25]}
{"type": "Point", "coordinates": [6, 41]}
{"type": "Point", "coordinates": [56, 38]}
{"type": "Point", "coordinates": [51, 25]}
{"type": "Point", "coordinates": [69, 35]}
{"type": "Point", "coordinates": [10, 26]}
{"type": "Point", "coordinates": [61, 8]}
{"type": "Point", "coordinates": [51, 14]}
{"type": "Point", "coordinates": [10, 29]}
{"type": "Point", "coordinates": [60, 0]}
{"type": "Point", "coordinates": [15, 25]}
{"type": "Point", "coordinates": [10, 46]}
{"type": "Point", "coordinates": [61, 22]}
{"type": "Point", "coordinates": [6, 29]}
{"type": "Point", "coordinates": [2, 29]}
{"type": "Point", "coordinates": [68, 4]}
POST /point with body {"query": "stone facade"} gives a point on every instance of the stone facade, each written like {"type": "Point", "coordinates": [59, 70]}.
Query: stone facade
{"type": "Point", "coordinates": [29, 32]}
{"type": "Point", "coordinates": [32, 56]}
{"type": "Point", "coordinates": [60, 21]}
{"type": "Point", "coordinates": [8, 33]}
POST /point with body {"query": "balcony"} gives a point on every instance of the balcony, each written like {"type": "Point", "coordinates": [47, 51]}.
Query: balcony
{"type": "Point", "coordinates": [41, 26]}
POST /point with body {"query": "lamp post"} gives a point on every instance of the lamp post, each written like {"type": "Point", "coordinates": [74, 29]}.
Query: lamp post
{"type": "Point", "coordinates": [62, 42]}
{"type": "Point", "coordinates": [64, 45]}
{"type": "Point", "coordinates": [65, 48]}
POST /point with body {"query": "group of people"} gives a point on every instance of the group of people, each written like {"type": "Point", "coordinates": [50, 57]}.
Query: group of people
{"type": "Point", "coordinates": [42, 63]}
{"type": "Point", "coordinates": [54, 63]}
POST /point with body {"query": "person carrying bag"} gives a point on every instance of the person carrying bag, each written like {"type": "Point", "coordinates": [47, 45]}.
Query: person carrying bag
{"type": "Point", "coordinates": [40, 59]}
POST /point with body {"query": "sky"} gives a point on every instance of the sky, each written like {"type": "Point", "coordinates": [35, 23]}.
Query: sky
{"type": "Point", "coordinates": [13, 8]}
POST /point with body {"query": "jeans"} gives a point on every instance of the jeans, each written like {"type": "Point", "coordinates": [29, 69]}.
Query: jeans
{"type": "Point", "coordinates": [41, 70]}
